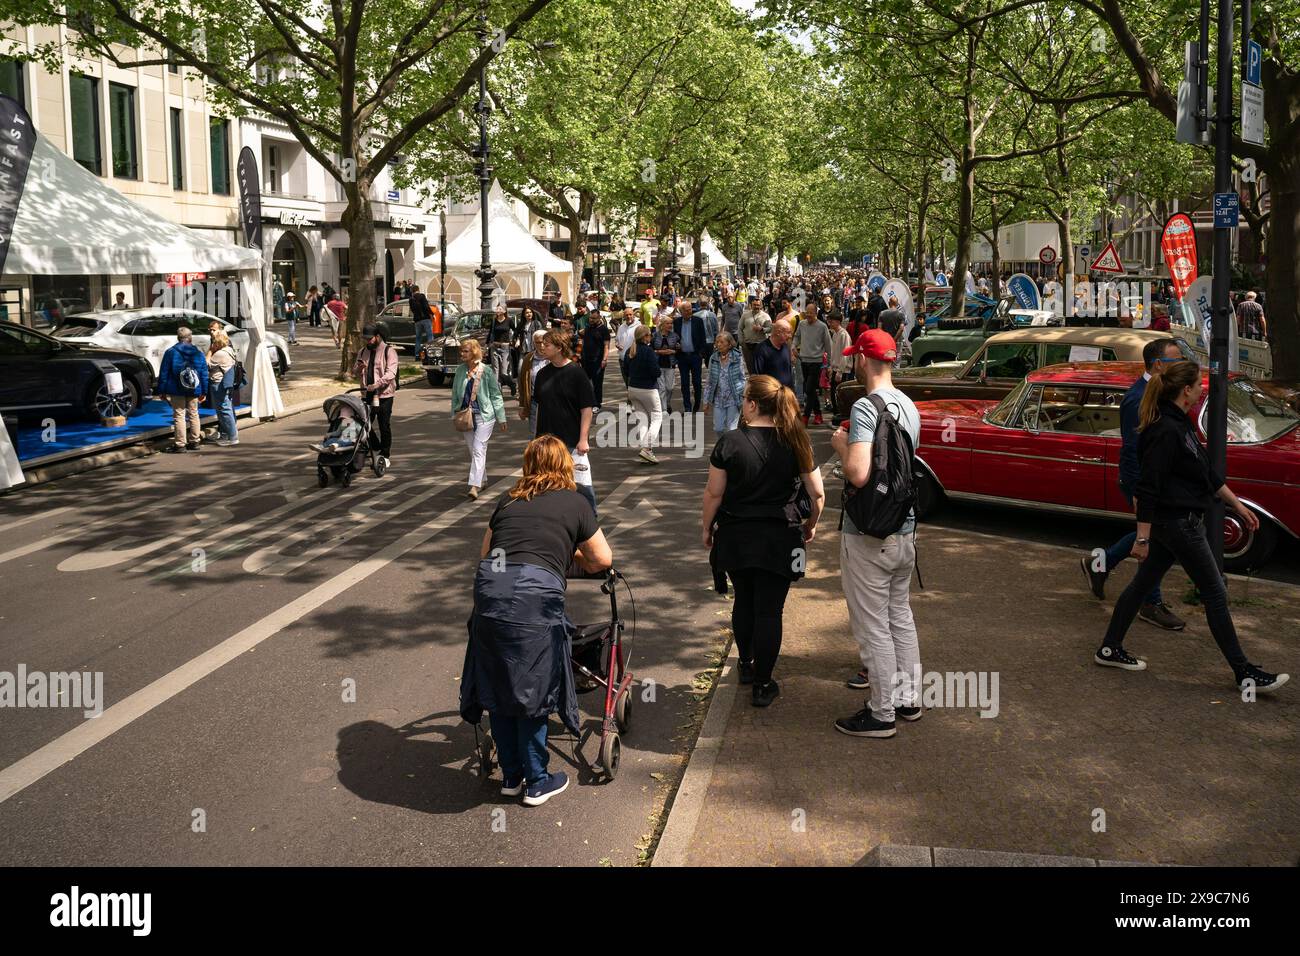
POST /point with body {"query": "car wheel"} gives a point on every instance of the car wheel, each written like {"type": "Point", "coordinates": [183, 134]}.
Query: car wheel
{"type": "Point", "coordinates": [435, 378]}
{"type": "Point", "coordinates": [101, 404]}
{"type": "Point", "coordinates": [929, 496]}
{"type": "Point", "coordinates": [1245, 550]}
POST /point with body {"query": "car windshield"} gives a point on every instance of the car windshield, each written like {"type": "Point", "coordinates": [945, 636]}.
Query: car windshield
{"type": "Point", "coordinates": [469, 323]}
{"type": "Point", "coordinates": [1253, 417]}
{"type": "Point", "coordinates": [1002, 414]}
{"type": "Point", "coordinates": [74, 327]}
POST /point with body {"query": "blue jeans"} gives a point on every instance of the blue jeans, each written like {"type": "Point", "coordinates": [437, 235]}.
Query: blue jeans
{"type": "Point", "coordinates": [219, 397]}
{"type": "Point", "coordinates": [1122, 548]}
{"type": "Point", "coordinates": [1183, 540]}
{"type": "Point", "coordinates": [423, 333]}
{"type": "Point", "coordinates": [689, 365]}
{"type": "Point", "coordinates": [725, 419]}
{"type": "Point", "coordinates": [521, 746]}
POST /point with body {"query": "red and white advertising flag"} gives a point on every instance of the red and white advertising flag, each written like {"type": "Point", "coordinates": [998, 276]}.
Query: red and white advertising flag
{"type": "Point", "coordinates": [1178, 243]}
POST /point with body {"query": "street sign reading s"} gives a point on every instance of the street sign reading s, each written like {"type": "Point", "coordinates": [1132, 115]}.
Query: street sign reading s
{"type": "Point", "coordinates": [1226, 210]}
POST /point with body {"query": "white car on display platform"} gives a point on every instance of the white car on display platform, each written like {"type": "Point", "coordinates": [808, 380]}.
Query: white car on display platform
{"type": "Point", "coordinates": [150, 332]}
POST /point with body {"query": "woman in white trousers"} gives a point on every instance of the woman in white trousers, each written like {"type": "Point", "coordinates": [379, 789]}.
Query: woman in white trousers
{"type": "Point", "coordinates": [475, 387]}
{"type": "Point", "coordinates": [642, 379]}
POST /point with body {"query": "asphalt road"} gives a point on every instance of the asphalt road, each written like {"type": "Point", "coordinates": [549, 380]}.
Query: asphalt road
{"type": "Point", "coordinates": [227, 599]}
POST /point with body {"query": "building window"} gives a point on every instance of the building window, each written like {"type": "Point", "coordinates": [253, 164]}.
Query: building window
{"type": "Point", "coordinates": [83, 93]}
{"type": "Point", "coordinates": [172, 65]}
{"type": "Point", "coordinates": [273, 169]}
{"type": "Point", "coordinates": [344, 267]}
{"type": "Point", "coordinates": [178, 149]}
{"type": "Point", "coordinates": [121, 111]}
{"type": "Point", "coordinates": [220, 135]}
{"type": "Point", "coordinates": [11, 80]}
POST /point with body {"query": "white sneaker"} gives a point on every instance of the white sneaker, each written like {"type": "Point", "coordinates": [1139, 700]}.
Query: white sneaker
{"type": "Point", "coordinates": [227, 442]}
{"type": "Point", "coordinates": [648, 456]}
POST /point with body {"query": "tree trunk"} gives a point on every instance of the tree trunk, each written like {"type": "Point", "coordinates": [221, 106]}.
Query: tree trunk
{"type": "Point", "coordinates": [1066, 261]}
{"type": "Point", "coordinates": [907, 246]}
{"type": "Point", "coordinates": [577, 252]}
{"type": "Point", "coordinates": [359, 221]}
{"type": "Point", "coordinates": [921, 261]}
{"type": "Point", "coordinates": [965, 213]}
{"type": "Point", "coordinates": [995, 265]}
{"type": "Point", "coordinates": [661, 258]}
{"type": "Point", "coordinates": [1282, 274]}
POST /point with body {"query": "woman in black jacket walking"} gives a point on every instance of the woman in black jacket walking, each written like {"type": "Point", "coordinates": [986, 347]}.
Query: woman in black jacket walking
{"type": "Point", "coordinates": [750, 523]}
{"type": "Point", "coordinates": [1176, 486]}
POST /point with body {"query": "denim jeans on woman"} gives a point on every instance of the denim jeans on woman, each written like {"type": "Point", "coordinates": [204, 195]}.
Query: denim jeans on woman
{"type": "Point", "coordinates": [220, 397]}
{"type": "Point", "coordinates": [1123, 548]}
{"type": "Point", "coordinates": [1183, 540]}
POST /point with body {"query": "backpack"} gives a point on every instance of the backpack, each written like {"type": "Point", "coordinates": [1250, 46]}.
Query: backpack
{"type": "Point", "coordinates": [188, 377]}
{"type": "Point", "coordinates": [882, 507]}
{"type": "Point", "coordinates": [238, 376]}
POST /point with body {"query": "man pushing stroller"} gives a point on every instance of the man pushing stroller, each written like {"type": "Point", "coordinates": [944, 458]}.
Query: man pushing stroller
{"type": "Point", "coordinates": [376, 369]}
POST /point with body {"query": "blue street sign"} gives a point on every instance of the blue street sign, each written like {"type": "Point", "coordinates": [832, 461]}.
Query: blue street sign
{"type": "Point", "coordinates": [866, 261]}
{"type": "Point", "coordinates": [1254, 58]}
{"type": "Point", "coordinates": [1226, 210]}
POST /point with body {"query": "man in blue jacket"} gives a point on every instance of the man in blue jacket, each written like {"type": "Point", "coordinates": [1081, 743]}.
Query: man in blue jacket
{"type": "Point", "coordinates": [691, 330]}
{"type": "Point", "coordinates": [1097, 567]}
{"type": "Point", "coordinates": [182, 380]}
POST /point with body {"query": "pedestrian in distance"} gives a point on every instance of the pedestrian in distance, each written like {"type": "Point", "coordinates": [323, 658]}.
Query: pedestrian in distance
{"type": "Point", "coordinates": [624, 336]}
{"type": "Point", "coordinates": [1097, 568]}
{"type": "Point", "coordinates": [1176, 485]}
{"type": "Point", "coordinates": [691, 329]}
{"type": "Point", "coordinates": [757, 525]}
{"type": "Point", "coordinates": [841, 365]}
{"type": "Point", "coordinates": [755, 325]}
{"type": "Point", "coordinates": [375, 367]}
{"type": "Point", "coordinates": [338, 314]}
{"type": "Point", "coordinates": [811, 342]}
{"type": "Point", "coordinates": [477, 403]}
{"type": "Point", "coordinates": [291, 316]}
{"type": "Point", "coordinates": [422, 314]}
{"type": "Point", "coordinates": [500, 338]}
{"type": "Point", "coordinates": [725, 391]}
{"type": "Point", "coordinates": [595, 354]}
{"type": "Point", "coordinates": [183, 380]}
{"type": "Point", "coordinates": [277, 298]}
{"type": "Point", "coordinates": [313, 304]}
{"type": "Point", "coordinates": [667, 344]}
{"type": "Point", "coordinates": [533, 363]}
{"type": "Point", "coordinates": [643, 390]}
{"type": "Point", "coordinates": [223, 370]}
{"type": "Point", "coordinates": [876, 562]}
{"type": "Point", "coordinates": [565, 404]}
{"type": "Point", "coordinates": [517, 666]}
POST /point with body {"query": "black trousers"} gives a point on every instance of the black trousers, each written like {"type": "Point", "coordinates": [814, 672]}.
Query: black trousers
{"type": "Point", "coordinates": [1182, 540]}
{"type": "Point", "coordinates": [596, 373]}
{"type": "Point", "coordinates": [756, 614]}
{"type": "Point", "coordinates": [812, 381]}
{"type": "Point", "coordinates": [383, 414]}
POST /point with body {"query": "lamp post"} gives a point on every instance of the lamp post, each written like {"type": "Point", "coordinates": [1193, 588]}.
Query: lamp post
{"type": "Point", "coordinates": [442, 258]}
{"type": "Point", "coordinates": [486, 274]}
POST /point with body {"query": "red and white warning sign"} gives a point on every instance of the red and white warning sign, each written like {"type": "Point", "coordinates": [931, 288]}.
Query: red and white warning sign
{"type": "Point", "coordinates": [1108, 260]}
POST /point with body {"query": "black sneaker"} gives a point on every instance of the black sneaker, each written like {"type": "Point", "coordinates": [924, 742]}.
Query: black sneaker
{"type": "Point", "coordinates": [174, 450]}
{"type": "Point", "coordinates": [192, 446]}
{"type": "Point", "coordinates": [862, 724]}
{"type": "Point", "coordinates": [908, 713]}
{"type": "Point", "coordinates": [1118, 657]}
{"type": "Point", "coordinates": [746, 672]}
{"type": "Point", "coordinates": [859, 681]}
{"type": "Point", "coordinates": [1161, 615]}
{"type": "Point", "coordinates": [1263, 681]}
{"type": "Point", "coordinates": [764, 694]}
{"type": "Point", "coordinates": [1096, 579]}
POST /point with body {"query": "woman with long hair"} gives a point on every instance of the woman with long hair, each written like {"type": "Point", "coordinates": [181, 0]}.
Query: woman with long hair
{"type": "Point", "coordinates": [643, 389]}
{"type": "Point", "coordinates": [517, 660]}
{"type": "Point", "coordinates": [754, 525]}
{"type": "Point", "coordinates": [1176, 486]}
{"type": "Point", "coordinates": [222, 363]}
{"type": "Point", "coordinates": [475, 387]}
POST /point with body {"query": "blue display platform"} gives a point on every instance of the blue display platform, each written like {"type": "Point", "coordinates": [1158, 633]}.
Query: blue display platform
{"type": "Point", "coordinates": [153, 419]}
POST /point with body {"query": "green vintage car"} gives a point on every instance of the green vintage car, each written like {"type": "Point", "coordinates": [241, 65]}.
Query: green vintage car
{"type": "Point", "coordinates": [955, 340]}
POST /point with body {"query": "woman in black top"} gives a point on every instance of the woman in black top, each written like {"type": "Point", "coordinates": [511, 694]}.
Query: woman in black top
{"type": "Point", "coordinates": [517, 659]}
{"type": "Point", "coordinates": [1176, 486]}
{"type": "Point", "coordinates": [752, 526]}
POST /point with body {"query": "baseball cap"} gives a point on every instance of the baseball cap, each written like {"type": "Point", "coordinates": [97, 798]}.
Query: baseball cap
{"type": "Point", "coordinates": [370, 330]}
{"type": "Point", "coordinates": [875, 344]}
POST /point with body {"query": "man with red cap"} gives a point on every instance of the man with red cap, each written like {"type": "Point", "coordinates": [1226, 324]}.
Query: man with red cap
{"type": "Point", "coordinates": [877, 572]}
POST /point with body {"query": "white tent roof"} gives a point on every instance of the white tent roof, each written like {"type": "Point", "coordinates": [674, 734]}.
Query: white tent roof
{"type": "Point", "coordinates": [70, 222]}
{"type": "Point", "coordinates": [710, 248]}
{"type": "Point", "coordinates": [514, 249]}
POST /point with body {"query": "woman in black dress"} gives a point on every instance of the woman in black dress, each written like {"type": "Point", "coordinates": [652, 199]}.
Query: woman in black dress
{"type": "Point", "coordinates": [754, 525]}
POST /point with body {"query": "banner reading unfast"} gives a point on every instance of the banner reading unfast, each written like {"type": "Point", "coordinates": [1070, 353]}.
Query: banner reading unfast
{"type": "Point", "coordinates": [1178, 243]}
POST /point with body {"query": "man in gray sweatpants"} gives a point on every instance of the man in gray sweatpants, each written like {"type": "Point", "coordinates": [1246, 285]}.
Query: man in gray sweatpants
{"type": "Point", "coordinates": [877, 572]}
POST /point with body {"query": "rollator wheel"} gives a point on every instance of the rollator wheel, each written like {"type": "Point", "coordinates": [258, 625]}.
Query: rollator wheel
{"type": "Point", "coordinates": [346, 478]}
{"type": "Point", "coordinates": [379, 466]}
{"type": "Point", "coordinates": [623, 710]}
{"type": "Point", "coordinates": [487, 751]}
{"type": "Point", "coordinates": [322, 477]}
{"type": "Point", "coordinates": [610, 753]}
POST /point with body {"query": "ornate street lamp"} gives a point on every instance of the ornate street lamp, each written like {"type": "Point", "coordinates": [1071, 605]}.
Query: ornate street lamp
{"type": "Point", "coordinates": [486, 274]}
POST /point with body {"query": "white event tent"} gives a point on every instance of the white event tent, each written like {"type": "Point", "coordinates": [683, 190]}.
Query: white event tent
{"type": "Point", "coordinates": [717, 261]}
{"type": "Point", "coordinates": [70, 222]}
{"type": "Point", "coordinates": [521, 262]}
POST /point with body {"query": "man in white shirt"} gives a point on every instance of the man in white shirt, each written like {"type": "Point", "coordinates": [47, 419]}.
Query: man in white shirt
{"type": "Point", "coordinates": [624, 335]}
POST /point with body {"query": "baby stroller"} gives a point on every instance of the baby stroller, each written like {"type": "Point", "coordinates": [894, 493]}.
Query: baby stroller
{"type": "Point", "coordinates": [599, 659]}
{"type": "Point", "coordinates": [343, 459]}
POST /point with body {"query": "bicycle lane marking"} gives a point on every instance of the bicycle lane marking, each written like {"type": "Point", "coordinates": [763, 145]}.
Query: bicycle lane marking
{"type": "Point", "coordinates": [28, 770]}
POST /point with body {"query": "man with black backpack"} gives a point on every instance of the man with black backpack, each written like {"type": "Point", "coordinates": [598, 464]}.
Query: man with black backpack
{"type": "Point", "coordinates": [877, 543]}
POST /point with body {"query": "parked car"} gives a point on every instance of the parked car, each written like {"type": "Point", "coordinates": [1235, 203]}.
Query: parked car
{"type": "Point", "coordinates": [49, 311]}
{"type": "Point", "coordinates": [41, 375]}
{"type": "Point", "coordinates": [150, 332]}
{"type": "Point", "coordinates": [401, 324]}
{"type": "Point", "coordinates": [1003, 361]}
{"type": "Point", "coordinates": [440, 357]}
{"type": "Point", "coordinates": [1053, 443]}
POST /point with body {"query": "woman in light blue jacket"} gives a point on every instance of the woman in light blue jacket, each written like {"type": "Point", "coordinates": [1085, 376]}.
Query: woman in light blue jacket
{"type": "Point", "coordinates": [475, 386]}
{"type": "Point", "coordinates": [726, 389]}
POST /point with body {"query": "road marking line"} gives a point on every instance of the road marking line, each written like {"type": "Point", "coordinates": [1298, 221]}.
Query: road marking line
{"type": "Point", "coordinates": [43, 516]}
{"type": "Point", "coordinates": [23, 773]}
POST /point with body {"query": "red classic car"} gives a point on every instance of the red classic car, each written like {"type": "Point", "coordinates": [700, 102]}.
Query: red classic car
{"type": "Point", "coordinates": [1053, 443]}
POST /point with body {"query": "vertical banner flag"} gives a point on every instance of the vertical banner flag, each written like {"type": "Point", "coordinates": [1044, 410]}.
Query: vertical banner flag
{"type": "Point", "coordinates": [250, 198]}
{"type": "Point", "coordinates": [898, 296]}
{"type": "Point", "coordinates": [1198, 312]}
{"type": "Point", "coordinates": [1178, 244]}
{"type": "Point", "coordinates": [1025, 289]}
{"type": "Point", "coordinates": [17, 140]}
